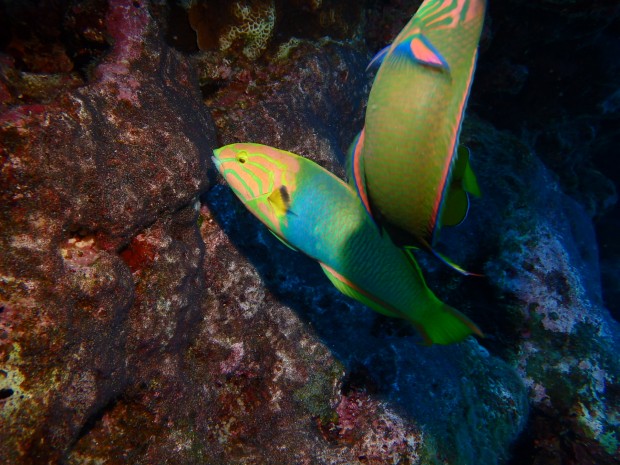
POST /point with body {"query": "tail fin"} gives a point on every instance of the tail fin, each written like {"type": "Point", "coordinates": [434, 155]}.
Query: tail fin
{"type": "Point", "coordinates": [445, 325]}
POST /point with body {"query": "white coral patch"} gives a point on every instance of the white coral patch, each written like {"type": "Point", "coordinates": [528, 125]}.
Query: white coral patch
{"type": "Point", "coordinates": [255, 27]}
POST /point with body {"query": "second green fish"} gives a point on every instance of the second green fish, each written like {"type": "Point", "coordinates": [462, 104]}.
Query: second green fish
{"type": "Point", "coordinates": [311, 210]}
{"type": "Point", "coordinates": [402, 160]}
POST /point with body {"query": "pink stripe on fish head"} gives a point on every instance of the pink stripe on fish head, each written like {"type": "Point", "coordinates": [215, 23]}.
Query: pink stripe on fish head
{"type": "Point", "coordinates": [476, 9]}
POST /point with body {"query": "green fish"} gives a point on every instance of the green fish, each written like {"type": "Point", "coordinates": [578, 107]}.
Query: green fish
{"type": "Point", "coordinates": [311, 210]}
{"type": "Point", "coordinates": [403, 161]}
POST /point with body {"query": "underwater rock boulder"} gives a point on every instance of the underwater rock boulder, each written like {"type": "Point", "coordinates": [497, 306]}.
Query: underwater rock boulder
{"type": "Point", "coordinates": [543, 290]}
{"type": "Point", "coordinates": [551, 82]}
{"type": "Point", "coordinates": [85, 174]}
{"type": "Point", "coordinates": [259, 381]}
{"type": "Point", "coordinates": [250, 23]}
{"type": "Point", "coordinates": [610, 263]}
{"type": "Point", "coordinates": [248, 30]}
{"type": "Point", "coordinates": [399, 401]}
{"type": "Point", "coordinates": [313, 97]}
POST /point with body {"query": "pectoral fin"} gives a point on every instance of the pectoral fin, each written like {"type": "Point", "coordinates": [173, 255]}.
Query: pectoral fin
{"type": "Point", "coordinates": [463, 172]}
{"type": "Point", "coordinates": [456, 207]}
{"type": "Point", "coordinates": [470, 183]}
{"type": "Point", "coordinates": [463, 182]}
{"type": "Point", "coordinates": [421, 50]}
{"type": "Point", "coordinates": [280, 200]}
{"type": "Point", "coordinates": [378, 58]}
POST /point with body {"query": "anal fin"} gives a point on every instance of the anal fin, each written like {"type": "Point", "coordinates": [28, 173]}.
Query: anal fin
{"type": "Point", "coordinates": [445, 260]}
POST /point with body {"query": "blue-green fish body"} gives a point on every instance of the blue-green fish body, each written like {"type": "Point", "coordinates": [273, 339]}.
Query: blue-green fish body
{"type": "Point", "coordinates": [313, 211]}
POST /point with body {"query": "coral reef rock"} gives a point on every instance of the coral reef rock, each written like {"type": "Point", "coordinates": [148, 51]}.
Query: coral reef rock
{"type": "Point", "coordinates": [544, 291]}
{"type": "Point", "coordinates": [100, 251]}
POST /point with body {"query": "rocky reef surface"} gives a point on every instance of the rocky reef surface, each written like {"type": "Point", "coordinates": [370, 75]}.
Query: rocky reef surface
{"type": "Point", "coordinates": [146, 317]}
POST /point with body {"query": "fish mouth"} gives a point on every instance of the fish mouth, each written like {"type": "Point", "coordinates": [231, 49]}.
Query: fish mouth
{"type": "Point", "coordinates": [218, 165]}
{"type": "Point", "coordinates": [216, 161]}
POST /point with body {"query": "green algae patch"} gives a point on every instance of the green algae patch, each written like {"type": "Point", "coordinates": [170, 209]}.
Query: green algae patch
{"type": "Point", "coordinates": [317, 393]}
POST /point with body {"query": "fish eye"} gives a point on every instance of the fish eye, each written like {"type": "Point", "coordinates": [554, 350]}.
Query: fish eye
{"type": "Point", "coordinates": [242, 156]}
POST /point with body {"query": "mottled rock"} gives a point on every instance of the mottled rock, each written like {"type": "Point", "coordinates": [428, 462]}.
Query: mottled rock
{"type": "Point", "coordinates": [85, 173]}
{"type": "Point", "coordinates": [541, 263]}
{"type": "Point", "coordinates": [253, 386]}
{"type": "Point", "coordinates": [435, 397]}
{"type": "Point", "coordinates": [248, 30]}
{"type": "Point", "coordinates": [314, 98]}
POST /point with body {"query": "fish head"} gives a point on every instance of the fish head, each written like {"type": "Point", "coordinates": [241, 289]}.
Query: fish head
{"type": "Point", "coordinates": [262, 177]}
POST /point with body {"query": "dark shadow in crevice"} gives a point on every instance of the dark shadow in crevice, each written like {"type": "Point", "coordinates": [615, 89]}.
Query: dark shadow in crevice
{"type": "Point", "coordinates": [92, 421]}
{"type": "Point", "coordinates": [179, 33]}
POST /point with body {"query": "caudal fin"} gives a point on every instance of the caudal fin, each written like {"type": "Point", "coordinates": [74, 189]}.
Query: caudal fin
{"type": "Point", "coordinates": [445, 325]}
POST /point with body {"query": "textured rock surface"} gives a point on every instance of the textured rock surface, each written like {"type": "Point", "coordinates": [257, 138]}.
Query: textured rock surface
{"type": "Point", "coordinates": [84, 175]}
{"type": "Point", "coordinates": [248, 29]}
{"type": "Point", "coordinates": [562, 70]}
{"type": "Point", "coordinates": [258, 386]}
{"type": "Point", "coordinates": [553, 83]}
{"type": "Point", "coordinates": [280, 103]}
{"type": "Point", "coordinates": [545, 295]}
